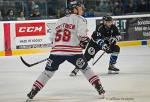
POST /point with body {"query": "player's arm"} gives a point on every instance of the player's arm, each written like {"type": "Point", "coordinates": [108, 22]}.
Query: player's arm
{"type": "Point", "coordinates": [97, 34]}
{"type": "Point", "coordinates": [116, 36]}
{"type": "Point", "coordinates": [98, 38]}
{"type": "Point", "coordinates": [53, 35]}
{"type": "Point", "coordinates": [82, 32]}
{"type": "Point", "coordinates": [103, 44]}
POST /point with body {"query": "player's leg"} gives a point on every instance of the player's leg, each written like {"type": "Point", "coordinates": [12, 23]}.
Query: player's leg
{"type": "Point", "coordinates": [113, 59]}
{"type": "Point", "coordinates": [51, 66]}
{"type": "Point", "coordinates": [94, 80]}
{"type": "Point", "coordinates": [80, 62]}
{"type": "Point", "coordinates": [88, 57]}
{"type": "Point", "coordinates": [39, 83]}
{"type": "Point", "coordinates": [76, 69]}
{"type": "Point", "coordinates": [90, 52]}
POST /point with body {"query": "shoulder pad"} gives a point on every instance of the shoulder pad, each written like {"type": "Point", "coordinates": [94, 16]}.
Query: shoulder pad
{"type": "Point", "coordinates": [114, 26]}
{"type": "Point", "coordinates": [99, 27]}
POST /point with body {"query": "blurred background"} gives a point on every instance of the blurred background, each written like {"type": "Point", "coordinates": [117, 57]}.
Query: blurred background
{"type": "Point", "coordinates": [53, 9]}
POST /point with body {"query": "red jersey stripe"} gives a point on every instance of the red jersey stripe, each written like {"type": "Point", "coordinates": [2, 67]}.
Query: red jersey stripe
{"type": "Point", "coordinates": [67, 46]}
{"type": "Point", "coordinates": [66, 51]}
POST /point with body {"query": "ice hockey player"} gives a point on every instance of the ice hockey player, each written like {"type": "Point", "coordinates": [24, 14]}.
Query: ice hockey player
{"type": "Point", "coordinates": [70, 30]}
{"type": "Point", "coordinates": [103, 38]}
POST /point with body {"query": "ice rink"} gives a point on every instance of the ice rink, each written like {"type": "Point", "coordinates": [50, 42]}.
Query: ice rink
{"type": "Point", "coordinates": [131, 85]}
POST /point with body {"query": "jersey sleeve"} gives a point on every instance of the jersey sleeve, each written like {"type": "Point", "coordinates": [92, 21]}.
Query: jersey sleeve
{"type": "Point", "coordinates": [117, 34]}
{"type": "Point", "coordinates": [82, 28]}
{"type": "Point", "coordinates": [97, 33]}
{"type": "Point", "coordinates": [116, 31]}
{"type": "Point", "coordinates": [52, 35]}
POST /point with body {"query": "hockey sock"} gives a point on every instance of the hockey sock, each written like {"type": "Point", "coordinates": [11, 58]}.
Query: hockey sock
{"type": "Point", "coordinates": [113, 58]}
{"type": "Point", "coordinates": [42, 79]}
{"type": "Point", "coordinates": [90, 75]}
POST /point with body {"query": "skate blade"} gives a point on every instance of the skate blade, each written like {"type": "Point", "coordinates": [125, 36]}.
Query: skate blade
{"type": "Point", "coordinates": [28, 100]}
{"type": "Point", "coordinates": [113, 72]}
{"type": "Point", "coordinates": [72, 74]}
{"type": "Point", "coordinates": [102, 96]}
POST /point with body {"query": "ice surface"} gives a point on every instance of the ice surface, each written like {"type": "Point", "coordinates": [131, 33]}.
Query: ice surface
{"type": "Point", "coordinates": [131, 85]}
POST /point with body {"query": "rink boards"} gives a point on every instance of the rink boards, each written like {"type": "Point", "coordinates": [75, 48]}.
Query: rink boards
{"type": "Point", "coordinates": [31, 37]}
{"type": "Point", "coordinates": [134, 43]}
{"type": "Point", "coordinates": [46, 50]}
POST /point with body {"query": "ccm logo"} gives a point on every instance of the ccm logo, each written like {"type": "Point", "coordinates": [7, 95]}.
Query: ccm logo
{"type": "Point", "coordinates": [30, 29]}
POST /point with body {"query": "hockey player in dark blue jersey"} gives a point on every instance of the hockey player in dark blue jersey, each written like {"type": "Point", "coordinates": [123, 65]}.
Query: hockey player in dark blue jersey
{"type": "Point", "coordinates": [103, 38]}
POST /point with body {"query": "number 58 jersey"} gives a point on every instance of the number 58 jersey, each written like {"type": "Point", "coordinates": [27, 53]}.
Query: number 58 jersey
{"type": "Point", "coordinates": [68, 33]}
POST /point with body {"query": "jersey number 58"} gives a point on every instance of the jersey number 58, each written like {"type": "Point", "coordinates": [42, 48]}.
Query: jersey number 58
{"type": "Point", "coordinates": [63, 35]}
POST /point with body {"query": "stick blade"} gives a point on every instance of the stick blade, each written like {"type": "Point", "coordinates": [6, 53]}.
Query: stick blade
{"type": "Point", "coordinates": [24, 62]}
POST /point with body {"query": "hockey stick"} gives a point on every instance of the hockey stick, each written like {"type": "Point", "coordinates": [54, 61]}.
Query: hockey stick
{"type": "Point", "coordinates": [98, 58]}
{"type": "Point", "coordinates": [30, 65]}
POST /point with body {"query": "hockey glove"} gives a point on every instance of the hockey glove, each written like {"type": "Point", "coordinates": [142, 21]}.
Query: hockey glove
{"type": "Point", "coordinates": [104, 45]}
{"type": "Point", "coordinates": [84, 43]}
{"type": "Point", "coordinates": [106, 48]}
{"type": "Point", "coordinates": [114, 40]}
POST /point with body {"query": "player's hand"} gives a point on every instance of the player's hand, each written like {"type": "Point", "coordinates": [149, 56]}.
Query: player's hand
{"type": "Point", "coordinates": [105, 47]}
{"type": "Point", "coordinates": [84, 43]}
{"type": "Point", "coordinates": [113, 40]}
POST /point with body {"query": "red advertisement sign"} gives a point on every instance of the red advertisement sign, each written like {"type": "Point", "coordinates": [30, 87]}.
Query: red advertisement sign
{"type": "Point", "coordinates": [30, 29]}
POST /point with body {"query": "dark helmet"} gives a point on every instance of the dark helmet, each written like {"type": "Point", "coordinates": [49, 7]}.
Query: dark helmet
{"type": "Point", "coordinates": [73, 4]}
{"type": "Point", "coordinates": [107, 18]}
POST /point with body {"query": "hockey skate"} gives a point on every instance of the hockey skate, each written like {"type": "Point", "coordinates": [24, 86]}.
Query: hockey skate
{"type": "Point", "coordinates": [112, 69]}
{"type": "Point", "coordinates": [74, 72]}
{"type": "Point", "coordinates": [100, 90]}
{"type": "Point", "coordinates": [31, 94]}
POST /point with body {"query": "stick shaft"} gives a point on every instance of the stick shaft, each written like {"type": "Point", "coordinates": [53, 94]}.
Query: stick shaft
{"type": "Point", "coordinates": [98, 58]}
{"type": "Point", "coordinates": [30, 65]}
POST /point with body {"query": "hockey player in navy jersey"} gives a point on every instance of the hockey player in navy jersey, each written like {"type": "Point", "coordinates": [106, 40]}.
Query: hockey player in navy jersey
{"type": "Point", "coordinates": [103, 38]}
{"type": "Point", "coordinates": [69, 33]}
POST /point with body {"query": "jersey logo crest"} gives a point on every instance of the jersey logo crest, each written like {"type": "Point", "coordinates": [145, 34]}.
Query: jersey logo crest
{"type": "Point", "coordinates": [91, 51]}
{"type": "Point", "coordinates": [80, 62]}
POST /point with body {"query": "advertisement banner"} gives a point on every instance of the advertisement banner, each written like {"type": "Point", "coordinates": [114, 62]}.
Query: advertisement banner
{"type": "Point", "coordinates": [30, 29]}
{"type": "Point", "coordinates": [137, 28]}
{"type": "Point", "coordinates": [33, 35]}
